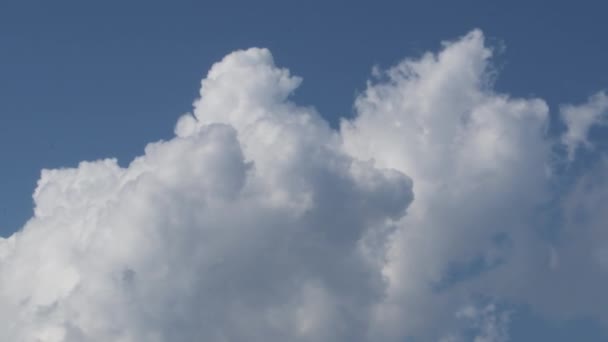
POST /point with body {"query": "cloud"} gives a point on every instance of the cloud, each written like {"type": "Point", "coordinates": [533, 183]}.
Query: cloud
{"type": "Point", "coordinates": [488, 323]}
{"type": "Point", "coordinates": [580, 118]}
{"type": "Point", "coordinates": [258, 222]}
{"type": "Point", "coordinates": [478, 161]}
{"type": "Point", "coordinates": [249, 225]}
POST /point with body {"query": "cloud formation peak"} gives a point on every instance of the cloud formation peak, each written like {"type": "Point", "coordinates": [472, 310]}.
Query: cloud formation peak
{"type": "Point", "coordinates": [259, 222]}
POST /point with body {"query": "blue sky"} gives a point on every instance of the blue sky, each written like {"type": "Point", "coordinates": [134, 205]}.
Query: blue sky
{"type": "Point", "coordinates": [90, 80]}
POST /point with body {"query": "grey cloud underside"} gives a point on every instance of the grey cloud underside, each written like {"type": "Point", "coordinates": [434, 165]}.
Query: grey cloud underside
{"type": "Point", "coordinates": [420, 217]}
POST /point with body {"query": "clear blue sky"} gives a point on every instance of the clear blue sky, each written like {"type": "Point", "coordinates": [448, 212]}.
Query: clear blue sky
{"type": "Point", "coordinates": [82, 80]}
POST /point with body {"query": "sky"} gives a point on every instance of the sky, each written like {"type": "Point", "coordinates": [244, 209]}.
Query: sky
{"type": "Point", "coordinates": [303, 171]}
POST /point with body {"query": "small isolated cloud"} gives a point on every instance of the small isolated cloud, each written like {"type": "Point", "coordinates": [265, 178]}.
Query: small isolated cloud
{"type": "Point", "coordinates": [580, 118]}
{"type": "Point", "coordinates": [487, 324]}
{"type": "Point", "coordinates": [258, 222]}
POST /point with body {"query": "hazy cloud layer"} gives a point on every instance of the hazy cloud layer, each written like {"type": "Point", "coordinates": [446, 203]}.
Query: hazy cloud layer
{"type": "Point", "coordinates": [427, 215]}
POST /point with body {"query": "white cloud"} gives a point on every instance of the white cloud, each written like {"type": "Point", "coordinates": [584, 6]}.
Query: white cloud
{"type": "Point", "coordinates": [248, 226]}
{"type": "Point", "coordinates": [580, 118]}
{"type": "Point", "coordinates": [491, 323]}
{"type": "Point", "coordinates": [478, 161]}
{"type": "Point", "coordinates": [488, 324]}
{"type": "Point", "coordinates": [258, 222]}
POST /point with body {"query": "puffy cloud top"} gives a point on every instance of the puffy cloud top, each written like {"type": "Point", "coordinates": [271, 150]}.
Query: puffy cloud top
{"type": "Point", "coordinates": [258, 222]}
{"type": "Point", "coordinates": [250, 224]}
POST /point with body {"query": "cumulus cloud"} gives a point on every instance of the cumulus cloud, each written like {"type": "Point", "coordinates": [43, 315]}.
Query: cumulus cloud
{"type": "Point", "coordinates": [580, 118]}
{"type": "Point", "coordinates": [249, 225]}
{"type": "Point", "coordinates": [478, 160]}
{"type": "Point", "coordinates": [259, 222]}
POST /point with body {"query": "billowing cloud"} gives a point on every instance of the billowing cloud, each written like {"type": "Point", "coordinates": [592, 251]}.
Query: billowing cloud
{"type": "Point", "coordinates": [420, 217]}
{"type": "Point", "coordinates": [250, 225]}
{"type": "Point", "coordinates": [478, 161]}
